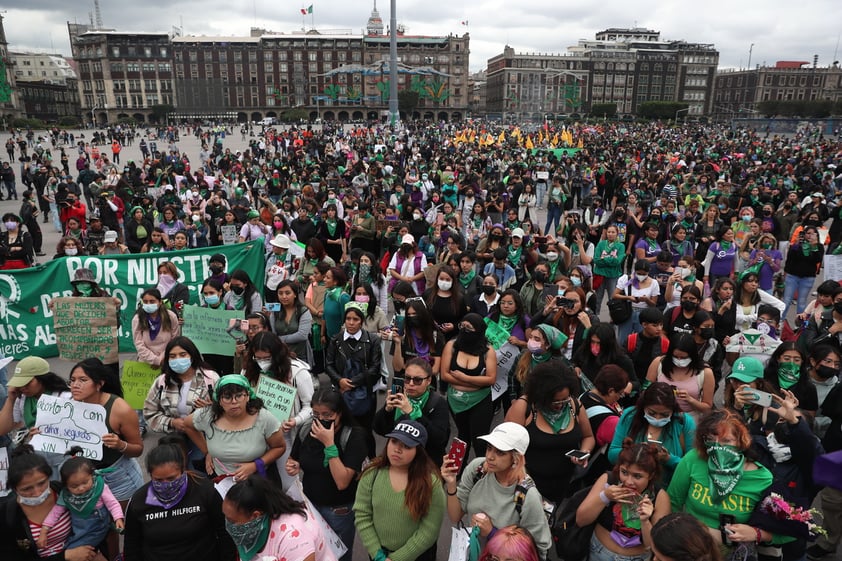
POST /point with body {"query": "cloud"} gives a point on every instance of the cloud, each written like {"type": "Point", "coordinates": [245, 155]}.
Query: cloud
{"type": "Point", "coordinates": [778, 30]}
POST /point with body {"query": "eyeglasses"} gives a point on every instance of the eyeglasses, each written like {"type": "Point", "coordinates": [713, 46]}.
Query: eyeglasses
{"type": "Point", "coordinates": [232, 398]}
{"type": "Point", "coordinates": [331, 417]}
{"type": "Point", "coordinates": [560, 403]}
{"type": "Point", "coordinates": [415, 380]}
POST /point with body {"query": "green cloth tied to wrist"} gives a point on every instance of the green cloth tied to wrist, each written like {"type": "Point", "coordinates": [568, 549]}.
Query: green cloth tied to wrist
{"type": "Point", "coordinates": [330, 452]}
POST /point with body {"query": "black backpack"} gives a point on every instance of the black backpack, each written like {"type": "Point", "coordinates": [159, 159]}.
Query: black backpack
{"type": "Point", "coordinates": [572, 542]}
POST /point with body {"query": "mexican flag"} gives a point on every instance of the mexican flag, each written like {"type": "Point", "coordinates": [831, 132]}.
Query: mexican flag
{"type": "Point", "coordinates": [305, 11]}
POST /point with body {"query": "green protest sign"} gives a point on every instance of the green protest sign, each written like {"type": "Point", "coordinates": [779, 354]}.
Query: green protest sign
{"type": "Point", "coordinates": [495, 334]}
{"type": "Point", "coordinates": [86, 327]}
{"type": "Point", "coordinates": [137, 378]}
{"type": "Point", "coordinates": [207, 328]}
{"type": "Point", "coordinates": [26, 320]}
{"type": "Point", "coordinates": [277, 397]}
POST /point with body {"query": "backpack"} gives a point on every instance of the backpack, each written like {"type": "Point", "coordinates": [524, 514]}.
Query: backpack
{"type": "Point", "coordinates": [631, 344]}
{"type": "Point", "coordinates": [521, 488]}
{"type": "Point", "coordinates": [572, 542]}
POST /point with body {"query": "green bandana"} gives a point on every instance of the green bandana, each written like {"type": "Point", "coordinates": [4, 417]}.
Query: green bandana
{"type": "Point", "coordinates": [466, 279]}
{"type": "Point", "coordinates": [249, 537]}
{"type": "Point", "coordinates": [417, 403]}
{"type": "Point", "coordinates": [725, 465]}
{"type": "Point", "coordinates": [331, 226]}
{"type": "Point", "coordinates": [725, 245]}
{"type": "Point", "coordinates": [788, 374]}
{"type": "Point", "coordinates": [558, 420]}
{"type": "Point", "coordinates": [514, 255]}
{"type": "Point", "coordinates": [507, 323]}
{"type": "Point", "coordinates": [83, 505]}
{"type": "Point", "coordinates": [30, 411]}
{"type": "Point", "coordinates": [84, 288]}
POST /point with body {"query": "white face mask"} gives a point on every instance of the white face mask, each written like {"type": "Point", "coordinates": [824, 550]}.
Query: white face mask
{"type": "Point", "coordinates": [264, 364]}
{"type": "Point", "coordinates": [150, 308]}
{"type": "Point", "coordinates": [445, 285]}
{"type": "Point", "coordinates": [552, 256]}
{"type": "Point", "coordinates": [681, 362]}
{"type": "Point", "coordinates": [35, 501]}
{"type": "Point", "coordinates": [642, 278]}
{"type": "Point", "coordinates": [71, 250]}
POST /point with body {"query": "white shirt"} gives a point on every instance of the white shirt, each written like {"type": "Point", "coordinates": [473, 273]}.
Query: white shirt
{"type": "Point", "coordinates": [356, 336]}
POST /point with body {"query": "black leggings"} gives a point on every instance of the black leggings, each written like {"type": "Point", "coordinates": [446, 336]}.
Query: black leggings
{"type": "Point", "coordinates": [473, 423]}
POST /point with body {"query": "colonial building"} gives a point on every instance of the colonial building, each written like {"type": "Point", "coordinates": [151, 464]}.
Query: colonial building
{"type": "Point", "coordinates": [625, 67]}
{"type": "Point", "coordinates": [122, 75]}
{"type": "Point", "coordinates": [9, 101]}
{"type": "Point", "coordinates": [42, 67]}
{"type": "Point", "coordinates": [50, 102]}
{"type": "Point", "coordinates": [331, 75]}
{"type": "Point", "coordinates": [739, 91]}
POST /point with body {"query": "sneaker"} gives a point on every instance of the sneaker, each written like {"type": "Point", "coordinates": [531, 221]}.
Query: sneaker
{"type": "Point", "coordinates": [816, 551]}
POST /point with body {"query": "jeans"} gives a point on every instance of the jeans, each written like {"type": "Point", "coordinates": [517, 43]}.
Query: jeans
{"type": "Point", "coordinates": [91, 530]}
{"type": "Point", "coordinates": [608, 285]}
{"type": "Point", "coordinates": [600, 553]}
{"type": "Point", "coordinates": [631, 325]}
{"type": "Point", "coordinates": [125, 479]}
{"type": "Point", "coordinates": [10, 188]}
{"type": "Point", "coordinates": [803, 285]}
{"type": "Point", "coordinates": [553, 215]}
{"type": "Point", "coordinates": [55, 217]}
{"type": "Point", "coordinates": [342, 522]}
{"type": "Point", "coordinates": [540, 192]}
{"type": "Point", "coordinates": [473, 423]}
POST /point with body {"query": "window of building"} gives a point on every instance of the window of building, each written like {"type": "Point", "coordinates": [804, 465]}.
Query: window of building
{"type": "Point", "coordinates": [238, 56]}
{"type": "Point", "coordinates": [252, 56]}
{"type": "Point", "coordinates": [115, 52]}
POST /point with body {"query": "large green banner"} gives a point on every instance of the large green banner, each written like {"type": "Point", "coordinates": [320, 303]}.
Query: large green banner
{"type": "Point", "coordinates": [26, 321]}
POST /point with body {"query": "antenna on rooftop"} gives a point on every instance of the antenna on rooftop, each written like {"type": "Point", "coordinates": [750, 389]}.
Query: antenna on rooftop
{"type": "Point", "coordinates": [98, 13]}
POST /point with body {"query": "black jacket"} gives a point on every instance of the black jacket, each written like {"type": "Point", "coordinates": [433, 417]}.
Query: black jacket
{"type": "Point", "coordinates": [435, 418]}
{"type": "Point", "coordinates": [367, 352]}
{"type": "Point", "coordinates": [16, 541]}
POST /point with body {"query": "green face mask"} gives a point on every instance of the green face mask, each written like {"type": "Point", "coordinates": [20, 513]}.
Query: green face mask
{"type": "Point", "coordinates": [84, 288]}
{"type": "Point", "coordinates": [249, 537]}
{"type": "Point", "coordinates": [788, 374]}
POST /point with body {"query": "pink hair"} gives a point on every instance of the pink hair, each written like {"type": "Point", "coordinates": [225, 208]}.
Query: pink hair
{"type": "Point", "coordinates": [511, 542]}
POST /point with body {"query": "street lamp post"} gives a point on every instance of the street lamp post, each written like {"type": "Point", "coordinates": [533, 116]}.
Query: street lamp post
{"type": "Point", "coordinates": [680, 111]}
{"type": "Point", "coordinates": [394, 115]}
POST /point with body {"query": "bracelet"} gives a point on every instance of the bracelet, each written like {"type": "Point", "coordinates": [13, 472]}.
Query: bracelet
{"type": "Point", "coordinates": [759, 535]}
{"type": "Point", "coordinates": [261, 466]}
{"type": "Point", "coordinates": [604, 498]}
{"type": "Point", "coordinates": [449, 494]}
{"type": "Point", "coordinates": [125, 446]}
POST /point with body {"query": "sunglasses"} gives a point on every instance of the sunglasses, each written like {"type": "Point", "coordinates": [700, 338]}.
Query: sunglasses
{"type": "Point", "coordinates": [415, 380]}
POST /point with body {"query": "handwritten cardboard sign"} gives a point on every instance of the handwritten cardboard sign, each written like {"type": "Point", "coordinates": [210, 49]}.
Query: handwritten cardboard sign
{"type": "Point", "coordinates": [506, 357]}
{"type": "Point", "coordinates": [86, 327]}
{"type": "Point", "coordinates": [4, 471]}
{"type": "Point", "coordinates": [137, 378]}
{"type": "Point", "coordinates": [65, 423]}
{"type": "Point", "coordinates": [277, 397]}
{"type": "Point", "coordinates": [206, 327]}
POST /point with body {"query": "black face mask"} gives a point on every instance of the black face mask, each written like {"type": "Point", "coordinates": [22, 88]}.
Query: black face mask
{"type": "Point", "coordinates": [826, 372]}
{"type": "Point", "coordinates": [467, 338]}
{"type": "Point", "coordinates": [488, 290]}
{"type": "Point", "coordinates": [238, 290]}
{"type": "Point", "coordinates": [540, 276]}
{"type": "Point", "coordinates": [495, 237]}
{"type": "Point", "coordinates": [216, 269]}
{"type": "Point", "coordinates": [411, 321]}
{"type": "Point", "coordinates": [326, 423]}
{"type": "Point", "coordinates": [706, 333]}
{"type": "Point", "coordinates": [689, 306]}
{"type": "Point", "coordinates": [837, 307]}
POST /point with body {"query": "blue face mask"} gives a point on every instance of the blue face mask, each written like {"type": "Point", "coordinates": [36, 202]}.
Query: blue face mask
{"type": "Point", "coordinates": [180, 365]}
{"type": "Point", "coordinates": [212, 299]}
{"type": "Point", "coordinates": [658, 423]}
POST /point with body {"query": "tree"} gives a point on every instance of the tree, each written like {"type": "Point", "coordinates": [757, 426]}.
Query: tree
{"type": "Point", "coordinates": [160, 112]}
{"type": "Point", "coordinates": [660, 109]}
{"type": "Point", "coordinates": [604, 109]}
{"type": "Point", "coordinates": [407, 101]}
{"type": "Point", "coordinates": [294, 115]}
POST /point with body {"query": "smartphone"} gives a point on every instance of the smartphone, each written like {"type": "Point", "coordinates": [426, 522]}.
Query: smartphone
{"type": "Point", "coordinates": [578, 454]}
{"type": "Point", "coordinates": [397, 323]}
{"type": "Point", "coordinates": [458, 450]}
{"type": "Point", "coordinates": [550, 291]}
{"type": "Point", "coordinates": [236, 331]}
{"type": "Point", "coordinates": [566, 303]}
{"type": "Point", "coordinates": [397, 385]}
{"type": "Point", "coordinates": [725, 519]}
{"type": "Point", "coordinates": [761, 398]}
{"type": "Point", "coordinates": [273, 306]}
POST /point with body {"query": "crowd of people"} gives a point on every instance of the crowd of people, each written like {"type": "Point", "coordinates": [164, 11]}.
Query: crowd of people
{"type": "Point", "coordinates": [410, 292]}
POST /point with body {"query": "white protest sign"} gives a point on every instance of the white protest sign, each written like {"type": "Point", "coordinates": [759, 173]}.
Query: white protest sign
{"type": "Point", "coordinates": [64, 423]}
{"type": "Point", "coordinates": [752, 341]}
{"type": "Point", "coordinates": [506, 357]}
{"type": "Point", "coordinates": [833, 267]}
{"type": "Point", "coordinates": [296, 493]}
{"type": "Point", "coordinates": [277, 397]}
{"type": "Point", "coordinates": [4, 471]}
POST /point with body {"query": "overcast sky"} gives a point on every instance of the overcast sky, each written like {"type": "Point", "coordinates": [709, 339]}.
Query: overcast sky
{"type": "Point", "coordinates": [780, 30]}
